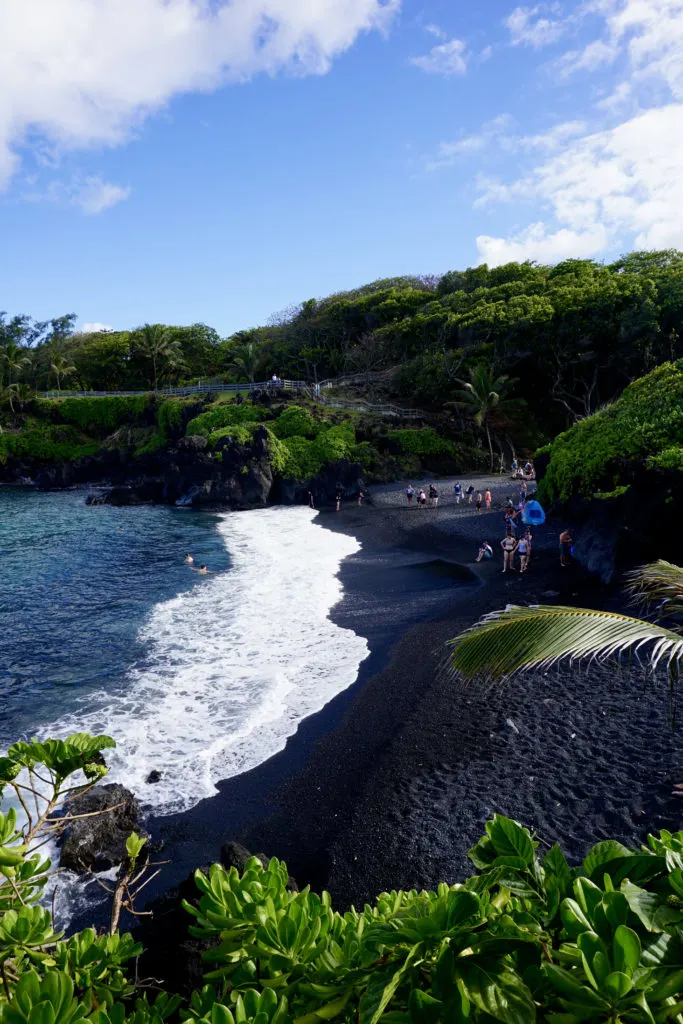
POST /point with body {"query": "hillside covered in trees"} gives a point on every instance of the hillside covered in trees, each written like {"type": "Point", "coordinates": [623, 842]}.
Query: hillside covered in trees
{"type": "Point", "coordinates": [567, 339]}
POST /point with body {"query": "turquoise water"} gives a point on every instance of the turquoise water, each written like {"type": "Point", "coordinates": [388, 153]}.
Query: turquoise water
{"type": "Point", "coordinates": [77, 584]}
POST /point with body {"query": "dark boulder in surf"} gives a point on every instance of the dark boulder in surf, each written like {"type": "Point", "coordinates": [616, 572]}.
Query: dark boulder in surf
{"type": "Point", "coordinates": [98, 843]}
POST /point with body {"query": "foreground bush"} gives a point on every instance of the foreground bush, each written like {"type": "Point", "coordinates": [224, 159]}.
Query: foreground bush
{"type": "Point", "coordinates": [525, 938]}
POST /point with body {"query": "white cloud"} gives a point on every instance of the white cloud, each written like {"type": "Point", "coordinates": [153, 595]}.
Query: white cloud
{"type": "Point", "coordinates": [593, 56]}
{"type": "Point", "coordinates": [447, 59]}
{"type": "Point", "coordinates": [91, 194]}
{"type": "Point", "coordinates": [79, 73]}
{"type": "Point", "coordinates": [535, 244]}
{"type": "Point", "coordinates": [434, 30]}
{"type": "Point", "coordinates": [528, 27]}
{"type": "Point", "coordinates": [449, 153]}
{"type": "Point", "coordinates": [486, 53]}
{"type": "Point", "coordinates": [554, 138]}
{"type": "Point", "coordinates": [96, 328]}
{"type": "Point", "coordinates": [621, 186]}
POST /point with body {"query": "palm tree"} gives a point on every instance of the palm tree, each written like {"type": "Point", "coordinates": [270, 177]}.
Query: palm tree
{"type": "Point", "coordinates": [61, 368]}
{"type": "Point", "coordinates": [159, 345]}
{"type": "Point", "coordinates": [14, 358]}
{"type": "Point", "coordinates": [506, 642]}
{"type": "Point", "coordinates": [247, 360]}
{"type": "Point", "coordinates": [480, 395]}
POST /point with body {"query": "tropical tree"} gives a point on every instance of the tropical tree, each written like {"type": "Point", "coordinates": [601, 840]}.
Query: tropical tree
{"type": "Point", "coordinates": [61, 368]}
{"type": "Point", "coordinates": [480, 395]}
{"type": "Point", "coordinates": [157, 344]}
{"type": "Point", "coordinates": [247, 360]}
{"type": "Point", "coordinates": [14, 359]}
{"type": "Point", "coordinates": [503, 643]}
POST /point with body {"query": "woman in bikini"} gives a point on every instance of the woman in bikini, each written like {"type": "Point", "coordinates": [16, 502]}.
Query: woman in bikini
{"type": "Point", "coordinates": [509, 546]}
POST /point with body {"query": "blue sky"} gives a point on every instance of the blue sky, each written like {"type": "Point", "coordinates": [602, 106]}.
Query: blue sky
{"type": "Point", "coordinates": [187, 160]}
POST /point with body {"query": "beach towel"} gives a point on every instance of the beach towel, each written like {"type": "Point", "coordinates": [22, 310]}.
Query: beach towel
{"type": "Point", "coordinates": [533, 514]}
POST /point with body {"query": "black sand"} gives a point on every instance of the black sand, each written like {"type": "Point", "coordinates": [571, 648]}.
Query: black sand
{"type": "Point", "coordinates": [393, 781]}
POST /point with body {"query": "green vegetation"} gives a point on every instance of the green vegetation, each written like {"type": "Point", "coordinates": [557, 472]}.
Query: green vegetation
{"type": "Point", "coordinates": [423, 441]}
{"type": "Point", "coordinates": [537, 636]}
{"type": "Point", "coordinates": [526, 938]}
{"type": "Point", "coordinates": [221, 415]}
{"type": "Point", "coordinates": [646, 422]}
{"type": "Point", "coordinates": [99, 417]}
{"type": "Point", "coordinates": [46, 443]}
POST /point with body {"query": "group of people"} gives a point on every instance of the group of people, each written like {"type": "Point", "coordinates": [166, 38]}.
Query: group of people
{"type": "Point", "coordinates": [525, 472]}
{"type": "Point", "coordinates": [202, 570]}
{"type": "Point", "coordinates": [511, 547]}
{"type": "Point", "coordinates": [423, 498]}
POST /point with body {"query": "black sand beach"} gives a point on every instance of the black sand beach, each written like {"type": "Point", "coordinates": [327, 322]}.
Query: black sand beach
{"type": "Point", "coordinates": [391, 783]}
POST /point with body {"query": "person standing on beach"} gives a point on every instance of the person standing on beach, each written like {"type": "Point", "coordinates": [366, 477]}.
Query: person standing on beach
{"type": "Point", "coordinates": [523, 550]}
{"type": "Point", "coordinates": [470, 494]}
{"type": "Point", "coordinates": [479, 501]}
{"type": "Point", "coordinates": [514, 467]}
{"type": "Point", "coordinates": [509, 546]}
{"type": "Point", "coordinates": [566, 542]}
{"type": "Point", "coordinates": [410, 492]}
{"type": "Point", "coordinates": [361, 496]}
{"type": "Point", "coordinates": [458, 493]}
{"type": "Point", "coordinates": [422, 499]}
{"type": "Point", "coordinates": [528, 537]}
{"type": "Point", "coordinates": [311, 500]}
{"type": "Point", "coordinates": [522, 491]}
{"type": "Point", "coordinates": [487, 499]}
{"type": "Point", "coordinates": [433, 496]}
{"type": "Point", "coordinates": [338, 496]}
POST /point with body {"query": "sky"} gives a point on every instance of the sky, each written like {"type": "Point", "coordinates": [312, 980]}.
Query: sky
{"type": "Point", "coordinates": [216, 161]}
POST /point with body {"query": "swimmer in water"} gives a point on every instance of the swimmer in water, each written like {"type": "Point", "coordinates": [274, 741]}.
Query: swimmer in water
{"type": "Point", "coordinates": [189, 560]}
{"type": "Point", "coordinates": [202, 570]}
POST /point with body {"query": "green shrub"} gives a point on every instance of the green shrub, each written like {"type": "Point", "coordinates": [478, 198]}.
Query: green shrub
{"type": "Point", "coordinates": [646, 422]}
{"type": "Point", "coordinates": [526, 938]}
{"type": "Point", "coordinates": [46, 443]}
{"type": "Point", "coordinates": [295, 421]}
{"type": "Point", "coordinates": [99, 416]}
{"type": "Point", "coordinates": [225, 415]}
{"type": "Point", "coordinates": [239, 432]}
{"type": "Point", "coordinates": [366, 454]}
{"type": "Point", "coordinates": [171, 415]}
{"type": "Point", "coordinates": [670, 458]}
{"type": "Point", "coordinates": [423, 441]}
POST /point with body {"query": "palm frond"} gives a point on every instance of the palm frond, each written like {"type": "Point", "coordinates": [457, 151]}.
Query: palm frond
{"type": "Point", "coordinates": [658, 584]}
{"type": "Point", "coordinates": [505, 642]}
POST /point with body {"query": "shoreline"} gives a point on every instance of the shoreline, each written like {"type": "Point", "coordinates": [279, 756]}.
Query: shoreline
{"type": "Point", "coordinates": [392, 781]}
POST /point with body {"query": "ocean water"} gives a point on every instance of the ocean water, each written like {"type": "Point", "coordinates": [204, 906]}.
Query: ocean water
{"type": "Point", "coordinates": [104, 629]}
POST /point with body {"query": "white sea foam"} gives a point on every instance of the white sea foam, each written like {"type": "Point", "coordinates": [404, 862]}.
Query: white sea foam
{"type": "Point", "coordinates": [232, 665]}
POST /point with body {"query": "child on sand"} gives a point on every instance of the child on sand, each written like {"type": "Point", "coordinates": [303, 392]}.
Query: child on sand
{"type": "Point", "coordinates": [485, 551]}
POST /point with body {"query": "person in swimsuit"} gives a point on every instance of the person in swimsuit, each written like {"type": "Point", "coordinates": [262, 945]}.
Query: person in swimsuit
{"type": "Point", "coordinates": [523, 549]}
{"type": "Point", "coordinates": [529, 537]}
{"type": "Point", "coordinates": [422, 499]}
{"type": "Point", "coordinates": [410, 493]}
{"type": "Point", "coordinates": [202, 570]}
{"type": "Point", "coordinates": [566, 542]}
{"type": "Point", "coordinates": [338, 497]}
{"type": "Point", "coordinates": [458, 493]}
{"type": "Point", "coordinates": [479, 501]}
{"type": "Point", "coordinates": [189, 559]}
{"type": "Point", "coordinates": [522, 491]}
{"type": "Point", "coordinates": [361, 496]}
{"type": "Point", "coordinates": [485, 551]}
{"type": "Point", "coordinates": [311, 500]}
{"type": "Point", "coordinates": [509, 546]}
{"type": "Point", "coordinates": [487, 499]}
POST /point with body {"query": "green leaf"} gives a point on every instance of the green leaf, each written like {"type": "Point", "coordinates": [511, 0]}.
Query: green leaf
{"type": "Point", "coordinates": [510, 839]}
{"type": "Point", "coordinates": [497, 992]}
{"type": "Point", "coordinates": [602, 853]}
{"type": "Point", "coordinates": [618, 985]}
{"type": "Point", "coordinates": [382, 987]}
{"type": "Point", "coordinates": [626, 950]}
{"type": "Point", "coordinates": [424, 1008]}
